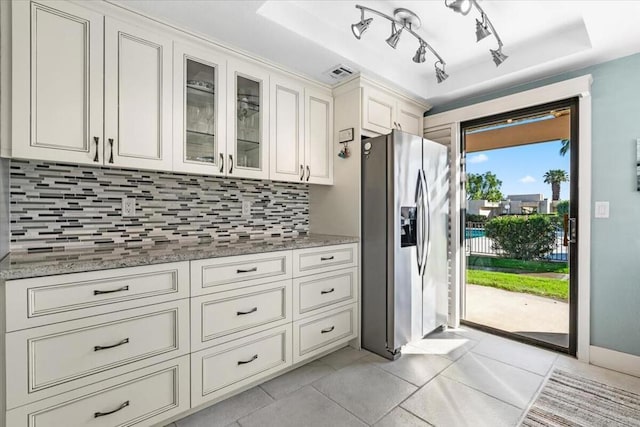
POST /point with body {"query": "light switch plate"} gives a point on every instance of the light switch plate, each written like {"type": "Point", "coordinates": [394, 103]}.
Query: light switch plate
{"type": "Point", "coordinates": [246, 208]}
{"type": "Point", "coordinates": [602, 210]}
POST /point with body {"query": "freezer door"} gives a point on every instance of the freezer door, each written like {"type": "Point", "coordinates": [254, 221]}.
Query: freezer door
{"type": "Point", "coordinates": [435, 278]}
{"type": "Point", "coordinates": [404, 284]}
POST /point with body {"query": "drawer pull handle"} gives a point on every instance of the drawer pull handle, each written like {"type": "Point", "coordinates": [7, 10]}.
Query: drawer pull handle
{"type": "Point", "coordinates": [244, 362]}
{"type": "Point", "coordinates": [327, 291]}
{"type": "Point", "coordinates": [249, 270]}
{"type": "Point", "coordinates": [107, 347]}
{"type": "Point", "coordinates": [327, 330]}
{"type": "Point", "coordinates": [241, 313]}
{"type": "Point", "coordinates": [326, 258]}
{"type": "Point", "coordinates": [124, 288]}
{"type": "Point", "coordinates": [119, 408]}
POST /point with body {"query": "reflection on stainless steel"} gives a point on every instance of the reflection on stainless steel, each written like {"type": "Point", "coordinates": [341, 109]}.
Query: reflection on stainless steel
{"type": "Point", "coordinates": [405, 187]}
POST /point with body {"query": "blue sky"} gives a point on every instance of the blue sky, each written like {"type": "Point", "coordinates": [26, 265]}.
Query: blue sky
{"type": "Point", "coordinates": [521, 169]}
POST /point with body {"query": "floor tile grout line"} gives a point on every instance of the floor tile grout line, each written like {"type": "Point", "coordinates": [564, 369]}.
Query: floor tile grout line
{"type": "Point", "coordinates": [508, 364]}
{"type": "Point", "coordinates": [480, 391]}
{"type": "Point", "coordinates": [337, 403]}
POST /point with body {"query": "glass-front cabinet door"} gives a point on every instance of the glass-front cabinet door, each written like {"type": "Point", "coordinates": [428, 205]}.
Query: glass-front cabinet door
{"type": "Point", "coordinates": [247, 155]}
{"type": "Point", "coordinates": [199, 128]}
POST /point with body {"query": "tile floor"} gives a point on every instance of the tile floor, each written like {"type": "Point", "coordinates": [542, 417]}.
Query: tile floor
{"type": "Point", "coordinates": [460, 377]}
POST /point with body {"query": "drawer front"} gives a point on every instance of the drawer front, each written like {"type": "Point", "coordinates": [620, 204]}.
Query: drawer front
{"type": "Point", "coordinates": [319, 333]}
{"type": "Point", "coordinates": [45, 300]}
{"type": "Point", "coordinates": [228, 315]}
{"type": "Point", "coordinates": [221, 369]}
{"type": "Point", "coordinates": [144, 397]}
{"type": "Point", "coordinates": [319, 291]}
{"type": "Point", "coordinates": [50, 356]}
{"type": "Point", "coordinates": [224, 274]}
{"type": "Point", "coordinates": [324, 259]}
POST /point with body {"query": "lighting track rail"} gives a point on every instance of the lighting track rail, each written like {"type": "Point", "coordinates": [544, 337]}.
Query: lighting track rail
{"type": "Point", "coordinates": [484, 28]}
{"type": "Point", "coordinates": [402, 20]}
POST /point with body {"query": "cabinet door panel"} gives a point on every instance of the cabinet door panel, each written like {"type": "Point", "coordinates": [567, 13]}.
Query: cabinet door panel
{"type": "Point", "coordinates": [247, 116]}
{"type": "Point", "coordinates": [319, 138]}
{"type": "Point", "coordinates": [57, 89]}
{"type": "Point", "coordinates": [138, 97]}
{"type": "Point", "coordinates": [287, 130]}
{"type": "Point", "coordinates": [378, 111]}
{"type": "Point", "coordinates": [410, 118]}
{"type": "Point", "coordinates": [199, 121]}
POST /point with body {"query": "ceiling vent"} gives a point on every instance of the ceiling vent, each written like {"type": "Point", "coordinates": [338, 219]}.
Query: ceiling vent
{"type": "Point", "coordinates": [339, 72]}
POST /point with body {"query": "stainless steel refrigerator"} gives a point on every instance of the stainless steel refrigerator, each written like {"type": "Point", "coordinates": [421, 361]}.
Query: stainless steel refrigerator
{"type": "Point", "coordinates": [405, 211]}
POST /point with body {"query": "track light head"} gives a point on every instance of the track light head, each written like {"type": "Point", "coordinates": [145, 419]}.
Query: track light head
{"type": "Point", "coordinates": [394, 38]}
{"type": "Point", "coordinates": [359, 28]}
{"type": "Point", "coordinates": [482, 29]}
{"type": "Point", "coordinates": [460, 6]}
{"type": "Point", "coordinates": [498, 56]}
{"type": "Point", "coordinates": [441, 75]}
{"type": "Point", "coordinates": [419, 57]}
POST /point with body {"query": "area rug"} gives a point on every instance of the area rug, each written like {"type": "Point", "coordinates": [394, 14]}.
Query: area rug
{"type": "Point", "coordinates": [571, 400]}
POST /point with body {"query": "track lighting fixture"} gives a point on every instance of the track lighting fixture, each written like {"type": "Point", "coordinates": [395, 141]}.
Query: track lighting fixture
{"type": "Point", "coordinates": [484, 28]}
{"type": "Point", "coordinates": [402, 20]}
{"type": "Point", "coordinates": [419, 57]}
{"type": "Point", "coordinates": [498, 56]}
{"type": "Point", "coordinates": [360, 27]}
{"type": "Point", "coordinates": [395, 36]}
{"type": "Point", "coordinates": [441, 75]}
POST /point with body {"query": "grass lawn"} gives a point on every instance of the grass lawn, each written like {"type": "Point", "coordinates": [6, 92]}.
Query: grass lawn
{"type": "Point", "coordinates": [542, 286]}
{"type": "Point", "coordinates": [515, 264]}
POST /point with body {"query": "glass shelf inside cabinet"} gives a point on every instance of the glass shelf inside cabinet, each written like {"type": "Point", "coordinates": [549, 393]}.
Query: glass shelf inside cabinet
{"type": "Point", "coordinates": [200, 112]}
{"type": "Point", "coordinates": [248, 124]}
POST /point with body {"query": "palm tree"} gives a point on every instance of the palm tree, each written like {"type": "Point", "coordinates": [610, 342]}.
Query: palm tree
{"type": "Point", "coordinates": [566, 146]}
{"type": "Point", "coordinates": [555, 177]}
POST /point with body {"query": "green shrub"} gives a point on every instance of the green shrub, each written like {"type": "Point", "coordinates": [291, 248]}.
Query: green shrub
{"type": "Point", "coordinates": [522, 237]}
{"type": "Point", "coordinates": [476, 218]}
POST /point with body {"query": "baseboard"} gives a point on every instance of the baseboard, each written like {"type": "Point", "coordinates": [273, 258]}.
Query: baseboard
{"type": "Point", "coordinates": [615, 360]}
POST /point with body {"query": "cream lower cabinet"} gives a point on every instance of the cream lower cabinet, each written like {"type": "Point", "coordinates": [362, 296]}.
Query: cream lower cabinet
{"type": "Point", "coordinates": [141, 346]}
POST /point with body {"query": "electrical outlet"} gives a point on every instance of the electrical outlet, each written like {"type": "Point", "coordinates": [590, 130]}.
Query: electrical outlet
{"type": "Point", "coordinates": [128, 207]}
{"type": "Point", "coordinates": [246, 208]}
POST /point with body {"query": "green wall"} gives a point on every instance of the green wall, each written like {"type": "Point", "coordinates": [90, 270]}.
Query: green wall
{"type": "Point", "coordinates": [615, 245]}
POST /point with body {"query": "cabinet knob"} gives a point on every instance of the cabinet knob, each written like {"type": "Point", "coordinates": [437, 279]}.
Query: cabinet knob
{"type": "Point", "coordinates": [221, 162]}
{"type": "Point", "coordinates": [308, 173]}
{"type": "Point", "coordinates": [230, 163]}
{"type": "Point", "coordinates": [301, 173]}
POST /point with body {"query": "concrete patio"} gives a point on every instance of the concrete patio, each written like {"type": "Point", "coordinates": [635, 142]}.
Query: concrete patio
{"type": "Point", "coordinates": [537, 317]}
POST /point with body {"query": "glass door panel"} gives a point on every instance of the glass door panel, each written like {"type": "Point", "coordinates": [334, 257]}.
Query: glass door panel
{"type": "Point", "coordinates": [248, 123]}
{"type": "Point", "coordinates": [200, 113]}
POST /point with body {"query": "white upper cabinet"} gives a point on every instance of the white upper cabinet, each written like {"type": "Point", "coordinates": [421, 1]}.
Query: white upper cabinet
{"type": "Point", "coordinates": [378, 110]}
{"type": "Point", "coordinates": [199, 119]}
{"type": "Point", "coordinates": [138, 107]}
{"type": "Point", "coordinates": [57, 82]}
{"type": "Point", "coordinates": [287, 130]}
{"type": "Point", "coordinates": [301, 133]}
{"type": "Point", "coordinates": [382, 111]}
{"type": "Point", "coordinates": [247, 120]}
{"type": "Point", "coordinates": [318, 144]}
{"type": "Point", "coordinates": [409, 118]}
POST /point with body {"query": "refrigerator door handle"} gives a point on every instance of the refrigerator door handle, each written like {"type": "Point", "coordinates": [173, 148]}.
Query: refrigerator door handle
{"type": "Point", "coordinates": [419, 221]}
{"type": "Point", "coordinates": [426, 224]}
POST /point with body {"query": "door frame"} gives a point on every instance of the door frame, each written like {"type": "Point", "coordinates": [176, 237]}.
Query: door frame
{"type": "Point", "coordinates": [579, 87]}
{"type": "Point", "coordinates": [574, 250]}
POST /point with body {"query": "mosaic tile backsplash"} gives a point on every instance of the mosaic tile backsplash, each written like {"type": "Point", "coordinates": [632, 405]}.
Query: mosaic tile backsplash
{"type": "Point", "coordinates": [58, 206]}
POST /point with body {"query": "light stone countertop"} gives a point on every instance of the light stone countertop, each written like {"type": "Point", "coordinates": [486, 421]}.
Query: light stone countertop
{"type": "Point", "coordinates": [22, 265]}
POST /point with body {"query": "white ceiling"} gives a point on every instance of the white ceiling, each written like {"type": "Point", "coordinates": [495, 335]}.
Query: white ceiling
{"type": "Point", "coordinates": [541, 38]}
